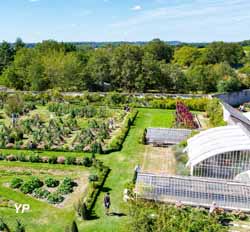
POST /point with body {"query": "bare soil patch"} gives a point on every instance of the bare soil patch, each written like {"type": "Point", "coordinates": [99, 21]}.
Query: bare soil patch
{"type": "Point", "coordinates": [159, 160]}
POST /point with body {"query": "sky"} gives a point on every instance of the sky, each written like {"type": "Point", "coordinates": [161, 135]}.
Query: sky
{"type": "Point", "coordinates": [125, 20]}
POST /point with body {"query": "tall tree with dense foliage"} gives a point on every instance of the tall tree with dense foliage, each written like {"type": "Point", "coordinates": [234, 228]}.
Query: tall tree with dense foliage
{"type": "Point", "coordinates": [186, 56]}
{"type": "Point", "coordinates": [6, 55]}
{"type": "Point", "coordinates": [219, 52]}
{"type": "Point", "coordinates": [160, 50]}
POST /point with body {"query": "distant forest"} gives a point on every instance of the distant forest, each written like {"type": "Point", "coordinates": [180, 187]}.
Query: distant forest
{"type": "Point", "coordinates": [130, 67]}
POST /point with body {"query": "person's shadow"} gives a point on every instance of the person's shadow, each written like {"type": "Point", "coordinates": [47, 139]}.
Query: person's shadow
{"type": "Point", "coordinates": [117, 214]}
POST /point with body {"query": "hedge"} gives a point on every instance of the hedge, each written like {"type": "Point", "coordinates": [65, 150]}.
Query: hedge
{"type": "Point", "coordinates": [194, 104]}
{"type": "Point", "coordinates": [117, 142]}
{"type": "Point", "coordinates": [87, 203]}
{"type": "Point", "coordinates": [35, 158]}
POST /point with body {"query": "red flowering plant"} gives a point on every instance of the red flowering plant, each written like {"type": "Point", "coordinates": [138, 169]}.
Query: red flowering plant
{"type": "Point", "coordinates": [184, 118]}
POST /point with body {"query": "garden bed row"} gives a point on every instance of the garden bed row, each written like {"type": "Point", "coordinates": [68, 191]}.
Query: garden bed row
{"type": "Point", "coordinates": [35, 158]}
{"type": "Point", "coordinates": [41, 189]}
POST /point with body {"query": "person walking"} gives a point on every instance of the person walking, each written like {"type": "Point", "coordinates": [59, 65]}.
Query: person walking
{"type": "Point", "coordinates": [107, 203]}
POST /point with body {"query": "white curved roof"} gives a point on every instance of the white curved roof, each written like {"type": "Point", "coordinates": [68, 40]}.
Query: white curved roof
{"type": "Point", "coordinates": [216, 141]}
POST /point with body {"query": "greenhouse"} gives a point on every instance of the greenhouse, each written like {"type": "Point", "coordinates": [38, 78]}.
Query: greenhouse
{"type": "Point", "coordinates": [195, 191]}
{"type": "Point", "coordinates": [166, 136]}
{"type": "Point", "coordinates": [222, 152]}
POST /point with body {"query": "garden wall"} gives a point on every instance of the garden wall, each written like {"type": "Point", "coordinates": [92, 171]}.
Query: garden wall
{"type": "Point", "coordinates": [235, 98]}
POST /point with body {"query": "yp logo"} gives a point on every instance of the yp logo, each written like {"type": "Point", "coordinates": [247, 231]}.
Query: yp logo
{"type": "Point", "coordinates": [22, 208]}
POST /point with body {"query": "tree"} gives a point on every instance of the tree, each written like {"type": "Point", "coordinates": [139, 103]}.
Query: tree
{"type": "Point", "coordinates": [201, 79]}
{"type": "Point", "coordinates": [14, 104]}
{"type": "Point", "coordinates": [160, 50]}
{"type": "Point", "coordinates": [172, 78]}
{"type": "Point", "coordinates": [125, 66]}
{"type": "Point", "coordinates": [16, 75]}
{"type": "Point", "coordinates": [19, 44]}
{"type": "Point", "coordinates": [6, 55]}
{"type": "Point", "coordinates": [229, 84]}
{"type": "Point", "coordinates": [98, 67]}
{"type": "Point", "coordinates": [61, 70]}
{"type": "Point", "coordinates": [150, 75]}
{"type": "Point", "coordinates": [186, 56]}
{"type": "Point", "coordinates": [74, 227]}
{"type": "Point", "coordinates": [219, 52]}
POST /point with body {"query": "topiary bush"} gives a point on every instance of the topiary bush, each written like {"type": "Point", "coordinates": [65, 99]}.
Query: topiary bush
{"type": "Point", "coordinates": [16, 183]}
{"type": "Point", "coordinates": [51, 182]}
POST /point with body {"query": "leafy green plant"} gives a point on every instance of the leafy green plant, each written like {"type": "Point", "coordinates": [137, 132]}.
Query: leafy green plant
{"type": "Point", "coordinates": [55, 198]}
{"type": "Point", "coordinates": [41, 193]}
{"type": "Point", "coordinates": [51, 182]}
{"type": "Point", "coordinates": [30, 185]}
{"type": "Point", "coordinates": [66, 186]}
{"type": "Point", "coordinates": [16, 183]}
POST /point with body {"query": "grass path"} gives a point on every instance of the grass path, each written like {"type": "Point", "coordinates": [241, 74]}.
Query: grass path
{"type": "Point", "coordinates": [122, 165]}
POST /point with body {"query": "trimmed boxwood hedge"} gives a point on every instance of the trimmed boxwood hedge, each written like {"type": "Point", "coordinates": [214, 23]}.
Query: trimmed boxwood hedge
{"type": "Point", "coordinates": [117, 142]}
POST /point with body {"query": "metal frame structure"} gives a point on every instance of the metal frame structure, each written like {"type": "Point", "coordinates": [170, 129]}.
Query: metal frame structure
{"type": "Point", "coordinates": [166, 136]}
{"type": "Point", "coordinates": [195, 191]}
{"type": "Point", "coordinates": [222, 152]}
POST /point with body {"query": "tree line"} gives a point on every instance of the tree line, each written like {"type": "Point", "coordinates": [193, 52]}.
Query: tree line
{"type": "Point", "coordinates": [153, 66]}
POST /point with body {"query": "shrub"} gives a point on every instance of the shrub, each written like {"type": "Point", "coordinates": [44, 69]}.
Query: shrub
{"type": "Point", "coordinates": [3, 226]}
{"type": "Point", "coordinates": [52, 160]}
{"type": "Point", "coordinates": [22, 158]}
{"type": "Point", "coordinates": [16, 183]}
{"type": "Point", "coordinates": [55, 198]}
{"type": "Point", "coordinates": [93, 178]}
{"type": "Point", "coordinates": [61, 160]}
{"type": "Point", "coordinates": [41, 193]}
{"type": "Point", "coordinates": [45, 159]}
{"type": "Point", "coordinates": [81, 209]}
{"type": "Point", "coordinates": [35, 159]}
{"type": "Point", "coordinates": [215, 113]}
{"type": "Point", "coordinates": [14, 104]}
{"type": "Point", "coordinates": [87, 162]}
{"type": "Point", "coordinates": [30, 185]}
{"type": "Point", "coordinates": [11, 158]}
{"type": "Point", "coordinates": [51, 182]}
{"type": "Point", "coordinates": [70, 160]}
{"type": "Point", "coordinates": [66, 186]}
{"type": "Point", "coordinates": [19, 227]}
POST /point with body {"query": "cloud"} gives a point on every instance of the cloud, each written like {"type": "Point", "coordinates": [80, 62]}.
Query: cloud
{"type": "Point", "coordinates": [136, 8]}
{"type": "Point", "coordinates": [214, 11]}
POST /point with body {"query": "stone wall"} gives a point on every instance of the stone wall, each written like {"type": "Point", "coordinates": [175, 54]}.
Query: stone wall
{"type": "Point", "coordinates": [235, 98]}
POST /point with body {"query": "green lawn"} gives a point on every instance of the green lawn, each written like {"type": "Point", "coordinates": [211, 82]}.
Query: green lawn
{"type": "Point", "coordinates": [47, 218]}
